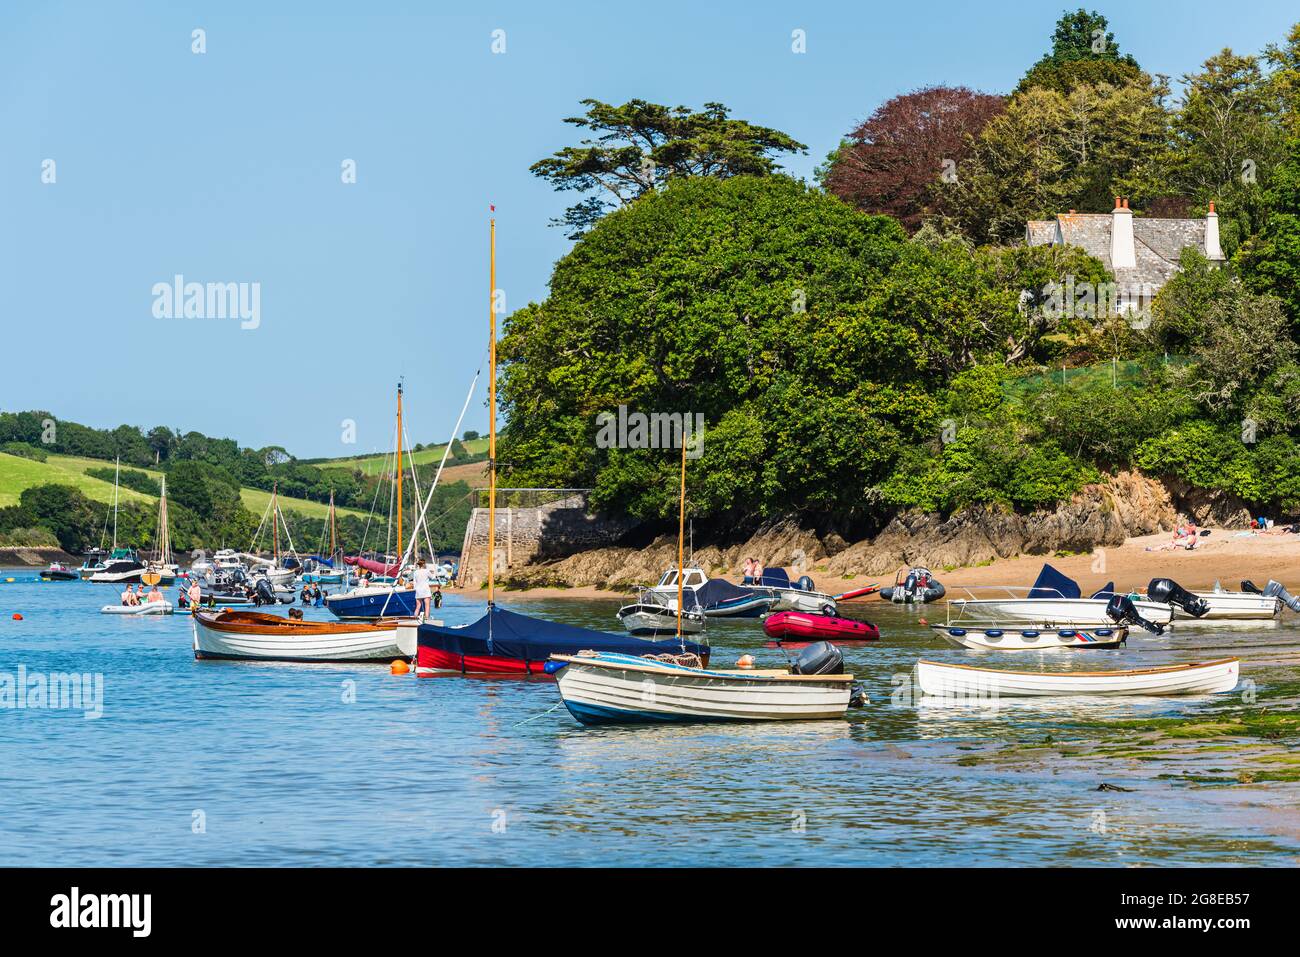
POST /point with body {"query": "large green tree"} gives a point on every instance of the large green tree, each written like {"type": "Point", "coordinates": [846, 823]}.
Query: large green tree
{"type": "Point", "coordinates": [637, 147]}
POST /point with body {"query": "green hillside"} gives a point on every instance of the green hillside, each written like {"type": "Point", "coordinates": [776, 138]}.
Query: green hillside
{"type": "Point", "coordinates": [17, 474]}
{"type": "Point", "coordinates": [374, 464]}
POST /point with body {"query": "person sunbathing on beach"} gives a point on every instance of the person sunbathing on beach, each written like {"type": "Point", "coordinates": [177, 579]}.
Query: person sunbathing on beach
{"type": "Point", "coordinates": [1185, 536]}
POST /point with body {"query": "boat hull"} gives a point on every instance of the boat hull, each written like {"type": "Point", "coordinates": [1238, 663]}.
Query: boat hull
{"type": "Point", "coordinates": [1234, 606]}
{"type": "Point", "coordinates": [623, 691]}
{"type": "Point", "coordinates": [368, 603]}
{"type": "Point", "coordinates": [1084, 612]}
{"type": "Point", "coordinates": [140, 610]}
{"type": "Point", "coordinates": [50, 575]}
{"type": "Point", "coordinates": [651, 620]}
{"type": "Point", "coordinates": [1030, 639]}
{"type": "Point", "coordinates": [793, 626]}
{"type": "Point", "coordinates": [964, 681]}
{"type": "Point", "coordinates": [749, 607]}
{"type": "Point", "coordinates": [251, 636]}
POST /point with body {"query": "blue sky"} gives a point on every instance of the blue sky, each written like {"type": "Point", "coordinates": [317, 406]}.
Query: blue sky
{"type": "Point", "coordinates": [226, 167]}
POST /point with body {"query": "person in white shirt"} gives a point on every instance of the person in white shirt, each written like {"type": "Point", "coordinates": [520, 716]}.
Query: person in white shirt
{"type": "Point", "coordinates": [422, 591]}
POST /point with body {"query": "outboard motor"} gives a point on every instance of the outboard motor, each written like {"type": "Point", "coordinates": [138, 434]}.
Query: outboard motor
{"type": "Point", "coordinates": [819, 658]}
{"type": "Point", "coordinates": [1250, 588]}
{"type": "Point", "coordinates": [805, 584]}
{"type": "Point", "coordinates": [263, 593]}
{"type": "Point", "coordinates": [1121, 610]}
{"type": "Point", "coordinates": [1274, 589]}
{"type": "Point", "coordinates": [1168, 590]}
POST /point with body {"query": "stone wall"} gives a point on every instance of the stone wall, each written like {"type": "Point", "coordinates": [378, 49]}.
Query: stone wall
{"type": "Point", "coordinates": [529, 535]}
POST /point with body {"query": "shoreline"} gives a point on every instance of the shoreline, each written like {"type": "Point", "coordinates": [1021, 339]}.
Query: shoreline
{"type": "Point", "coordinates": [1226, 556]}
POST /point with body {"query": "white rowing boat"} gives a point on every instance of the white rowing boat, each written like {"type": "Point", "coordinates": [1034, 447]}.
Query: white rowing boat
{"type": "Point", "coordinates": [604, 688]}
{"type": "Point", "coordinates": [1021, 637]}
{"type": "Point", "coordinates": [249, 635]}
{"type": "Point", "coordinates": [144, 608]}
{"type": "Point", "coordinates": [967, 681]}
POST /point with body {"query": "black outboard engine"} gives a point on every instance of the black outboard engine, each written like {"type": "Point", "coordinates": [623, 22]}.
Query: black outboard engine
{"type": "Point", "coordinates": [1121, 610]}
{"type": "Point", "coordinates": [1168, 590]}
{"type": "Point", "coordinates": [1250, 588]}
{"type": "Point", "coordinates": [805, 584]}
{"type": "Point", "coordinates": [819, 658]}
{"type": "Point", "coordinates": [1274, 589]}
{"type": "Point", "coordinates": [263, 593]}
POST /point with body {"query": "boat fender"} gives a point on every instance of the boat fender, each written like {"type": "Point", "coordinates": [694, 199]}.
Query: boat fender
{"type": "Point", "coordinates": [993, 632]}
{"type": "Point", "coordinates": [819, 658]}
{"type": "Point", "coordinates": [1029, 633]}
{"type": "Point", "coordinates": [1103, 632]}
{"type": "Point", "coordinates": [956, 632]}
{"type": "Point", "coordinates": [1066, 633]}
{"type": "Point", "coordinates": [552, 667]}
{"type": "Point", "coordinates": [828, 610]}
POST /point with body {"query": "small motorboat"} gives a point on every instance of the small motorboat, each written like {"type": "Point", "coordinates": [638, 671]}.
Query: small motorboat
{"type": "Point", "coordinates": [801, 595]}
{"type": "Point", "coordinates": [144, 608]}
{"type": "Point", "coordinates": [1055, 599]}
{"type": "Point", "coordinates": [254, 636]}
{"type": "Point", "coordinates": [1020, 637]}
{"type": "Point", "coordinates": [1250, 604]}
{"type": "Point", "coordinates": [796, 627]}
{"type": "Point", "coordinates": [372, 601]}
{"type": "Point", "coordinates": [716, 597]}
{"type": "Point", "coordinates": [913, 586]}
{"type": "Point", "coordinates": [58, 572]}
{"type": "Point", "coordinates": [650, 615]}
{"type": "Point", "coordinates": [967, 681]}
{"type": "Point", "coordinates": [605, 688]}
{"type": "Point", "coordinates": [121, 567]}
{"type": "Point", "coordinates": [92, 561]}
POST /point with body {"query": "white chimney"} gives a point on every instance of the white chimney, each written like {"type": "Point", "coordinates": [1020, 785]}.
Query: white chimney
{"type": "Point", "coordinates": [1122, 253]}
{"type": "Point", "coordinates": [1212, 249]}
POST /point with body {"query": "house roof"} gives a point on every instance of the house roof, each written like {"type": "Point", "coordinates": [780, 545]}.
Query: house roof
{"type": "Point", "coordinates": [1157, 243]}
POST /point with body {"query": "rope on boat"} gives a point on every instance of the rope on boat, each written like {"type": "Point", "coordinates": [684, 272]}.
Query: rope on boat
{"type": "Point", "coordinates": [686, 659]}
{"type": "Point", "coordinates": [536, 716]}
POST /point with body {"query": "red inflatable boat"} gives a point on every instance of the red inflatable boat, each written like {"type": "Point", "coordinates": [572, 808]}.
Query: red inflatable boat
{"type": "Point", "coordinates": [797, 627]}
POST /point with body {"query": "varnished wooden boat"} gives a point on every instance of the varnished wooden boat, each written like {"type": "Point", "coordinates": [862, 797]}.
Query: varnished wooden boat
{"type": "Point", "coordinates": [256, 636]}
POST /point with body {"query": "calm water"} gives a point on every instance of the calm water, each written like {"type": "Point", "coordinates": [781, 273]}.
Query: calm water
{"type": "Point", "coordinates": [212, 763]}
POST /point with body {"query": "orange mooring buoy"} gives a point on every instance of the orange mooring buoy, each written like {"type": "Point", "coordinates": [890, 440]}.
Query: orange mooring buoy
{"type": "Point", "coordinates": [745, 661]}
{"type": "Point", "coordinates": [400, 667]}
{"type": "Point", "coordinates": [17, 617]}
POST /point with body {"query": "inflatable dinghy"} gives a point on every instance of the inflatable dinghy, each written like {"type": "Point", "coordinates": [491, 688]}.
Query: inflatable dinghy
{"type": "Point", "coordinates": [913, 586]}
{"type": "Point", "coordinates": [797, 627]}
{"type": "Point", "coordinates": [144, 608]}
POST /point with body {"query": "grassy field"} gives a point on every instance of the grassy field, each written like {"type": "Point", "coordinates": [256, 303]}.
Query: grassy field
{"type": "Point", "coordinates": [18, 473]}
{"type": "Point", "coordinates": [374, 464]}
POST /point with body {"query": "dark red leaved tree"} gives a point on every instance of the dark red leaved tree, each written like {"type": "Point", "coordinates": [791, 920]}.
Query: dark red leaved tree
{"type": "Point", "coordinates": [899, 160]}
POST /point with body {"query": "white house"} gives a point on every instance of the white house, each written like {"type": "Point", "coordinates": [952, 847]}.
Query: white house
{"type": "Point", "coordinates": [1141, 252]}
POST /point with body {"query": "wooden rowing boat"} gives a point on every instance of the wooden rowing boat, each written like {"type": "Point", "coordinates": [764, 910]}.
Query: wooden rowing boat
{"type": "Point", "coordinates": [603, 688]}
{"type": "Point", "coordinates": [967, 681]}
{"type": "Point", "coordinates": [251, 635]}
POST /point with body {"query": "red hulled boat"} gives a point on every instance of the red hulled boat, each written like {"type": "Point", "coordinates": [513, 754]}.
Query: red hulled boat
{"type": "Point", "coordinates": [797, 627]}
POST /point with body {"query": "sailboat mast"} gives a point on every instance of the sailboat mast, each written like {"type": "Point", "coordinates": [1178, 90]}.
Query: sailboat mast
{"type": "Point", "coordinates": [399, 472]}
{"type": "Point", "coordinates": [492, 412]}
{"type": "Point", "coordinates": [275, 522]}
{"type": "Point", "coordinates": [117, 472]}
{"type": "Point", "coordinates": [332, 535]}
{"type": "Point", "coordinates": [681, 536]}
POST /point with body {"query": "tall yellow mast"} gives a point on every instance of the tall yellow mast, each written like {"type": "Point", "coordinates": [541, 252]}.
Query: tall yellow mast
{"type": "Point", "coordinates": [399, 471]}
{"type": "Point", "coordinates": [681, 535]}
{"type": "Point", "coordinates": [492, 410]}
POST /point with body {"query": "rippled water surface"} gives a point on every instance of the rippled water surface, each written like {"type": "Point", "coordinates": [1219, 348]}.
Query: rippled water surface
{"type": "Point", "coordinates": [209, 763]}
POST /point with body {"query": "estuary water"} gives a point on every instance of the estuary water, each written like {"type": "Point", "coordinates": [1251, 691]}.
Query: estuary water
{"type": "Point", "coordinates": [228, 763]}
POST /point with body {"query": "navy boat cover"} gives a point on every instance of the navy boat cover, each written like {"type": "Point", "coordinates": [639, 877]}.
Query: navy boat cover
{"type": "Point", "coordinates": [775, 578]}
{"type": "Point", "coordinates": [718, 590]}
{"type": "Point", "coordinates": [1053, 584]}
{"type": "Point", "coordinates": [1105, 592]}
{"type": "Point", "coordinates": [506, 634]}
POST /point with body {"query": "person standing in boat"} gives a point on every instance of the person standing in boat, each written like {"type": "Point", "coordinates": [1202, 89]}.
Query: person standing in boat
{"type": "Point", "coordinates": [422, 592]}
{"type": "Point", "coordinates": [195, 594]}
{"type": "Point", "coordinates": [747, 577]}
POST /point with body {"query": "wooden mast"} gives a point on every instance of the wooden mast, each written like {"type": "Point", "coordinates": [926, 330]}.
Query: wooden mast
{"type": "Point", "coordinates": [332, 535]}
{"type": "Point", "coordinates": [399, 472]}
{"type": "Point", "coordinates": [681, 535]}
{"type": "Point", "coordinates": [275, 522]}
{"type": "Point", "coordinates": [492, 410]}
